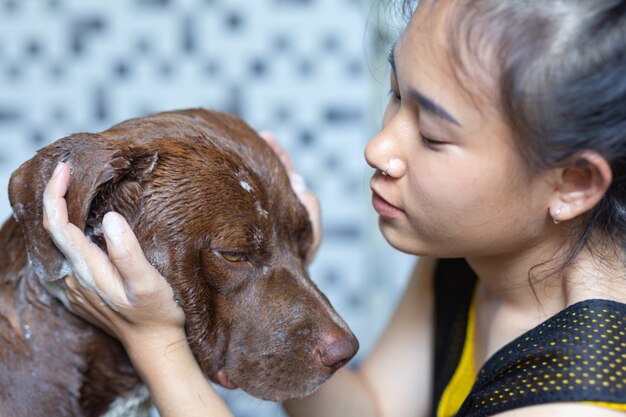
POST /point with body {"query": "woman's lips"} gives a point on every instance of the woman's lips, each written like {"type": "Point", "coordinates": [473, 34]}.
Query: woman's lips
{"type": "Point", "coordinates": [383, 207]}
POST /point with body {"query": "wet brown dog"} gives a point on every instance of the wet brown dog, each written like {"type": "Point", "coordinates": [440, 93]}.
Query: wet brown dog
{"type": "Point", "coordinates": [213, 209]}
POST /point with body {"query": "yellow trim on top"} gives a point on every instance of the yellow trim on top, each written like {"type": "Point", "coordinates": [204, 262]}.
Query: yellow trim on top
{"type": "Point", "coordinates": [464, 376]}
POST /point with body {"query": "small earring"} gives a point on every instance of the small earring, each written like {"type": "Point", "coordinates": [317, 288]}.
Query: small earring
{"type": "Point", "coordinates": [555, 216]}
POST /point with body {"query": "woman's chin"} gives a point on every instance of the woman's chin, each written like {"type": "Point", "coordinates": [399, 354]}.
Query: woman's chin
{"type": "Point", "coordinates": [404, 240]}
{"type": "Point", "coordinates": [400, 239]}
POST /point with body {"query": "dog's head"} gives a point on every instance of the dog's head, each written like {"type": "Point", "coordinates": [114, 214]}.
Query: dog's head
{"type": "Point", "coordinates": [213, 209]}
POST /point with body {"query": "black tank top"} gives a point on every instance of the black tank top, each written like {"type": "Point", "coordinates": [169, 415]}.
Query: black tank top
{"type": "Point", "coordinates": [577, 355]}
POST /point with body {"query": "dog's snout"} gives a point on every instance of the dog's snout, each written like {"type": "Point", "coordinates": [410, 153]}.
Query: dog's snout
{"type": "Point", "coordinates": [337, 349]}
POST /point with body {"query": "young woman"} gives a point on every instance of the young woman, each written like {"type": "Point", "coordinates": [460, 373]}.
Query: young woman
{"type": "Point", "coordinates": [503, 144]}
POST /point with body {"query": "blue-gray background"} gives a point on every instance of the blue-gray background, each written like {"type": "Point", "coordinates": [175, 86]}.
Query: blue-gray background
{"type": "Point", "coordinates": [311, 71]}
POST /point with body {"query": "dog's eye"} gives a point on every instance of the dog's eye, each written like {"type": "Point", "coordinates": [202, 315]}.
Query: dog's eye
{"type": "Point", "coordinates": [233, 256]}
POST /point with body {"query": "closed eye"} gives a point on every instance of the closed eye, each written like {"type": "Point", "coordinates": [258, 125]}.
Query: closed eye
{"type": "Point", "coordinates": [431, 142]}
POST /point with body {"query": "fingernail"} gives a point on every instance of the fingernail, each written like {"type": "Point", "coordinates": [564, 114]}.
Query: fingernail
{"type": "Point", "coordinates": [268, 137]}
{"type": "Point", "coordinates": [57, 169]}
{"type": "Point", "coordinates": [114, 226]}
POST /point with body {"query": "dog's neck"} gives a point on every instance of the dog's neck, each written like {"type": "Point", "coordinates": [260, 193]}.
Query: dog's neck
{"type": "Point", "coordinates": [136, 403]}
{"type": "Point", "coordinates": [17, 269]}
{"type": "Point", "coordinates": [40, 328]}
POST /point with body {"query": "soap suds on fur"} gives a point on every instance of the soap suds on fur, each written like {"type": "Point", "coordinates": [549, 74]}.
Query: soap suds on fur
{"type": "Point", "coordinates": [245, 186]}
{"type": "Point", "coordinates": [27, 333]}
{"type": "Point", "coordinates": [262, 212]}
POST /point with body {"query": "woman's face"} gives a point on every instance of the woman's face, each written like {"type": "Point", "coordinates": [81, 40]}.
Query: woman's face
{"type": "Point", "coordinates": [455, 184]}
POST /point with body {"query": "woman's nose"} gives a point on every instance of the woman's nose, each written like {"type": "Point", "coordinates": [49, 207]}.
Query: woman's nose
{"type": "Point", "coordinates": [384, 154]}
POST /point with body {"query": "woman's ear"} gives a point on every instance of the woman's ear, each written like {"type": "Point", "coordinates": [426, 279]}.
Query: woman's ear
{"type": "Point", "coordinates": [581, 184]}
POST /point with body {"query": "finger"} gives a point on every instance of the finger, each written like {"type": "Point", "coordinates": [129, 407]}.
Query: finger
{"type": "Point", "coordinates": [307, 198]}
{"type": "Point", "coordinates": [298, 185]}
{"type": "Point", "coordinates": [87, 260]}
{"type": "Point", "coordinates": [72, 290]}
{"type": "Point", "coordinates": [297, 181]}
{"type": "Point", "coordinates": [139, 276]}
{"type": "Point", "coordinates": [54, 206]}
{"type": "Point", "coordinates": [90, 265]}
{"type": "Point", "coordinates": [279, 150]}
{"type": "Point", "coordinates": [311, 203]}
{"type": "Point", "coordinates": [268, 137]}
{"type": "Point", "coordinates": [84, 296]}
{"type": "Point", "coordinates": [82, 305]}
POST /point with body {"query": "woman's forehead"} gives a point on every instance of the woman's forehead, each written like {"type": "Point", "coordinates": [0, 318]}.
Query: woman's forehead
{"type": "Point", "coordinates": [432, 51]}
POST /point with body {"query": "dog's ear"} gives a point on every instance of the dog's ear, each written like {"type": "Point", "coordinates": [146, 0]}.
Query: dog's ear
{"type": "Point", "coordinates": [97, 166]}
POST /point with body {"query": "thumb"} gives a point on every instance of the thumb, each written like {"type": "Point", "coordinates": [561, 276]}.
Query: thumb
{"type": "Point", "coordinates": [127, 256]}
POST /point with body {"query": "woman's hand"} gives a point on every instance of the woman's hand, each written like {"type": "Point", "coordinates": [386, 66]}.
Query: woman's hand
{"type": "Point", "coordinates": [121, 293]}
{"type": "Point", "coordinates": [307, 198]}
{"type": "Point", "coordinates": [124, 295]}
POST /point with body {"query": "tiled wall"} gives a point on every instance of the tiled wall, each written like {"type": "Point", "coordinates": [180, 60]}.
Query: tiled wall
{"type": "Point", "coordinates": [308, 70]}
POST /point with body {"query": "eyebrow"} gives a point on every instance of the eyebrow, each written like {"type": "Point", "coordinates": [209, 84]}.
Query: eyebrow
{"type": "Point", "coordinates": [427, 104]}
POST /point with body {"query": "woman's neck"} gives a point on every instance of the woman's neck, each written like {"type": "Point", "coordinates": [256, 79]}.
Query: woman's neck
{"type": "Point", "coordinates": [534, 280]}
{"type": "Point", "coordinates": [516, 293]}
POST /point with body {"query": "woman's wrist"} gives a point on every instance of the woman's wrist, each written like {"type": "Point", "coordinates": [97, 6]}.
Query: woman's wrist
{"type": "Point", "coordinates": [153, 341]}
{"type": "Point", "coordinates": [176, 383]}
{"type": "Point", "coordinates": [160, 357]}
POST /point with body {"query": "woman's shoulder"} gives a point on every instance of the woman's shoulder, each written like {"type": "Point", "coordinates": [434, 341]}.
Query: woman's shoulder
{"type": "Point", "coordinates": [577, 356]}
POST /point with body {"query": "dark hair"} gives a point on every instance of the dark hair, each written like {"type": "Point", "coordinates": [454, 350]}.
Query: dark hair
{"type": "Point", "coordinates": [560, 66]}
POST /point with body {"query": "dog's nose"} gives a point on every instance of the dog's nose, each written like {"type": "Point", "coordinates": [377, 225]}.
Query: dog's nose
{"type": "Point", "coordinates": [337, 349]}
